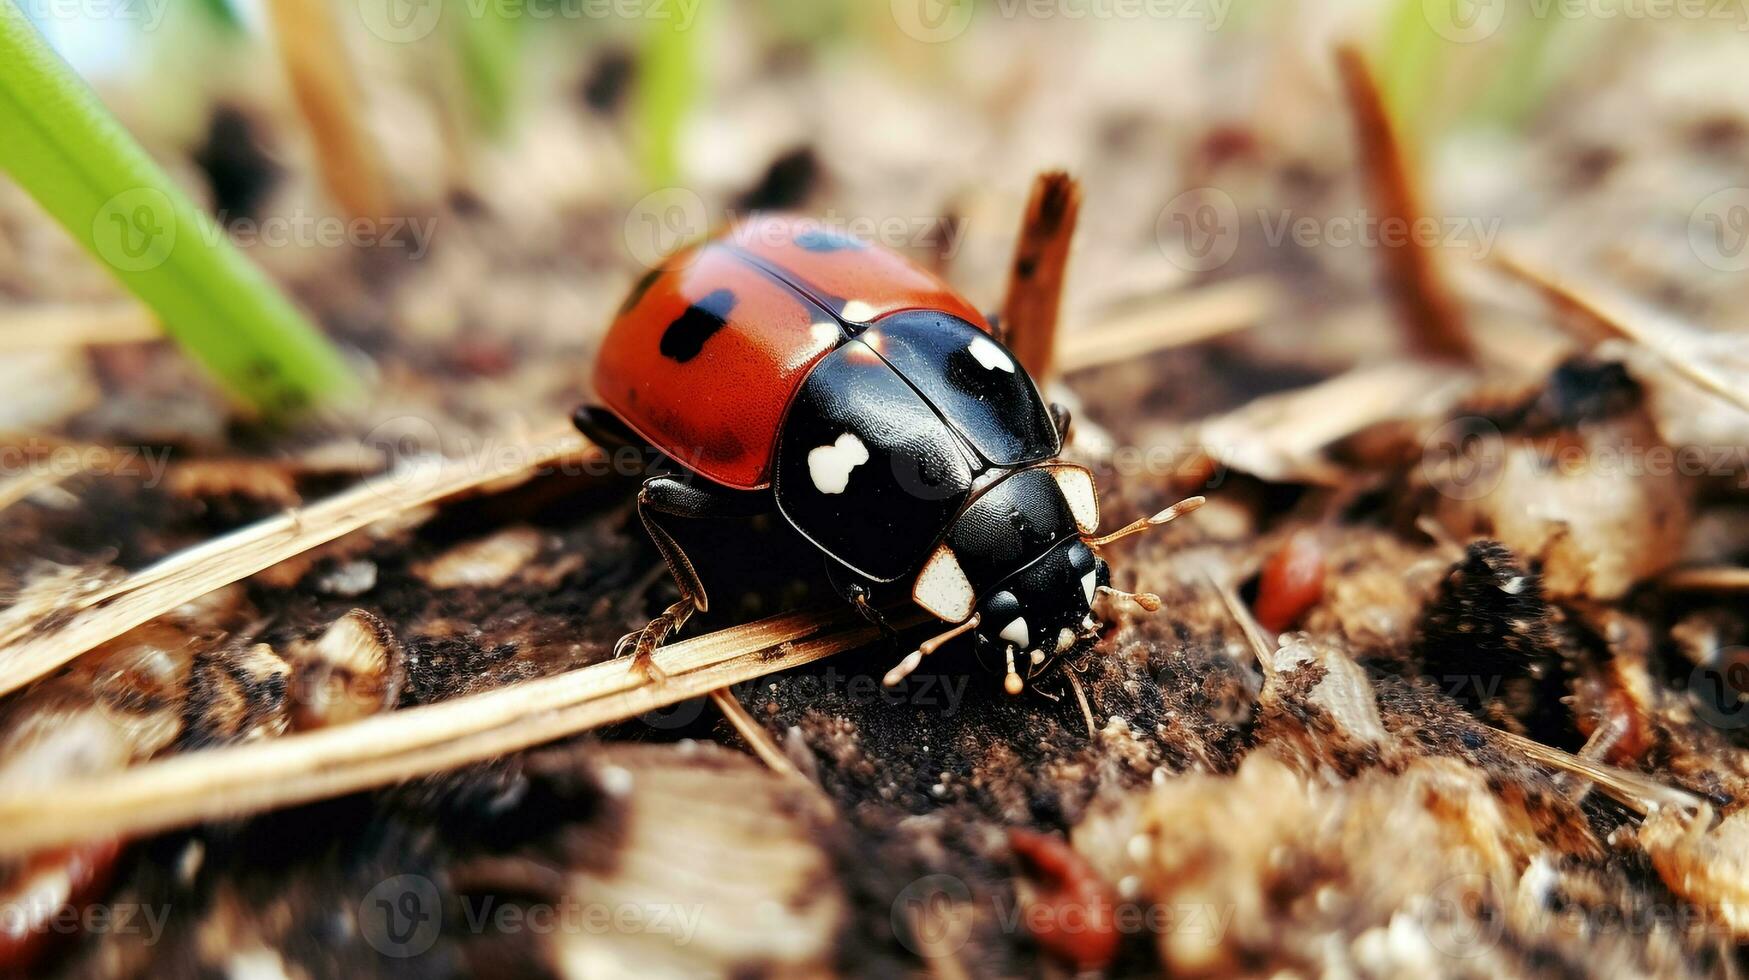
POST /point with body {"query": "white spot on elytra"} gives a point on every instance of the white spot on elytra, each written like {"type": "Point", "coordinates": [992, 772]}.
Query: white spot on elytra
{"type": "Point", "coordinates": [830, 466]}
{"type": "Point", "coordinates": [942, 587]}
{"type": "Point", "coordinates": [1089, 584]}
{"type": "Point", "coordinates": [991, 356]}
{"type": "Point", "coordinates": [856, 311]}
{"type": "Point", "coordinates": [1015, 632]}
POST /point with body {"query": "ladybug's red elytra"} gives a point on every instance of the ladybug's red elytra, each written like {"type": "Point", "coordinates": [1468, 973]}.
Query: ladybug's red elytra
{"type": "Point", "coordinates": [780, 366]}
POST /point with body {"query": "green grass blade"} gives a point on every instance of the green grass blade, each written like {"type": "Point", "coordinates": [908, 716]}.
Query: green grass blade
{"type": "Point", "coordinates": [667, 82]}
{"type": "Point", "coordinates": [78, 162]}
{"type": "Point", "coordinates": [490, 47]}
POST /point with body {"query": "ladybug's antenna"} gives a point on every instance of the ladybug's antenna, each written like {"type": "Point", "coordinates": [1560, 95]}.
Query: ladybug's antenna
{"type": "Point", "coordinates": [1147, 600]}
{"type": "Point", "coordinates": [1166, 516]}
{"type": "Point", "coordinates": [927, 647]}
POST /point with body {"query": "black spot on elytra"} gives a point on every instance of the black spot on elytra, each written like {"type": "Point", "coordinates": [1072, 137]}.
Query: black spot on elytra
{"type": "Point", "coordinates": [819, 240]}
{"type": "Point", "coordinates": [639, 288]}
{"type": "Point", "coordinates": [686, 336]}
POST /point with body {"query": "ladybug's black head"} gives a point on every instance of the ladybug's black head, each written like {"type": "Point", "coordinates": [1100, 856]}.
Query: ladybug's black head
{"type": "Point", "coordinates": [1042, 611]}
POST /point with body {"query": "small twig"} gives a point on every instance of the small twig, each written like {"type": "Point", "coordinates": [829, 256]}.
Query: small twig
{"type": "Point", "coordinates": [330, 99]}
{"type": "Point", "coordinates": [754, 734]}
{"type": "Point", "coordinates": [1260, 645]}
{"type": "Point", "coordinates": [1619, 316]}
{"type": "Point", "coordinates": [1035, 280]}
{"type": "Point", "coordinates": [1081, 697]}
{"type": "Point", "coordinates": [241, 779]}
{"type": "Point", "coordinates": [1430, 313]}
{"type": "Point", "coordinates": [187, 575]}
{"type": "Point", "coordinates": [1177, 319]}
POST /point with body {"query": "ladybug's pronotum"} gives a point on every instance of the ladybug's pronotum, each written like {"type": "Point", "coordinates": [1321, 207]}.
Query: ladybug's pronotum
{"type": "Point", "coordinates": [782, 367]}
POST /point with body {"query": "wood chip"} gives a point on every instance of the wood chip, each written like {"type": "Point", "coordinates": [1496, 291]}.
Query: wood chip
{"type": "Point", "coordinates": [1174, 320]}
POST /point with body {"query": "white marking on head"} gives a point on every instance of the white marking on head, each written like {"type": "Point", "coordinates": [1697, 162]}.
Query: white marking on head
{"type": "Point", "coordinates": [856, 311]}
{"type": "Point", "coordinates": [989, 355]}
{"type": "Point", "coordinates": [1065, 639]}
{"type": "Point", "coordinates": [830, 466]}
{"type": "Point", "coordinates": [942, 587]}
{"type": "Point", "coordinates": [1081, 495]}
{"type": "Point", "coordinates": [1090, 584]}
{"type": "Point", "coordinates": [1015, 632]}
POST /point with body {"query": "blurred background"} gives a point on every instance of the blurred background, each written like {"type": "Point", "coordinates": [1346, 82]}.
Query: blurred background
{"type": "Point", "coordinates": [450, 185]}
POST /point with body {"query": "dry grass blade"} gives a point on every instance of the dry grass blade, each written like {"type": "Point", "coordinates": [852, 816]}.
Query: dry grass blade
{"type": "Point", "coordinates": [67, 325]}
{"type": "Point", "coordinates": [1176, 320]}
{"type": "Point", "coordinates": [1035, 280]}
{"type": "Point", "coordinates": [1717, 578]}
{"type": "Point", "coordinates": [1676, 343]}
{"type": "Point", "coordinates": [758, 739]}
{"type": "Point", "coordinates": [1630, 789]}
{"type": "Point", "coordinates": [1429, 310]}
{"type": "Point", "coordinates": [328, 96]}
{"type": "Point", "coordinates": [70, 631]}
{"type": "Point", "coordinates": [219, 783]}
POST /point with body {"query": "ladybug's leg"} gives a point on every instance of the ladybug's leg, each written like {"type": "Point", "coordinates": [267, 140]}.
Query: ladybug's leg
{"type": "Point", "coordinates": [604, 428]}
{"type": "Point", "coordinates": [662, 499]}
{"type": "Point", "coordinates": [860, 596]}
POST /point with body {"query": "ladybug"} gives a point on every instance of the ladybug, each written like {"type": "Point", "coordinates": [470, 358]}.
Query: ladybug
{"type": "Point", "coordinates": [782, 367]}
